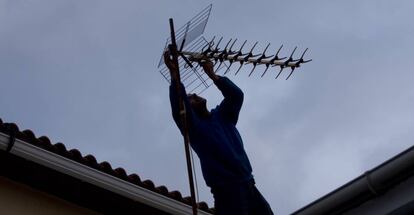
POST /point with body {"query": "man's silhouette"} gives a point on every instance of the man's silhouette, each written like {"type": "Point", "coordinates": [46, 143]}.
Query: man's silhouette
{"type": "Point", "coordinates": [215, 139]}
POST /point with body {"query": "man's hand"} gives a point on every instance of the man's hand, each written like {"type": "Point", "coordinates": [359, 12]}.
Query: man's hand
{"type": "Point", "coordinates": [209, 69]}
{"type": "Point", "coordinates": [170, 60]}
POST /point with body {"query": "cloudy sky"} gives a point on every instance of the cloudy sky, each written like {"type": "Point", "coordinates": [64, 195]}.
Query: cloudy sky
{"type": "Point", "coordinates": [84, 73]}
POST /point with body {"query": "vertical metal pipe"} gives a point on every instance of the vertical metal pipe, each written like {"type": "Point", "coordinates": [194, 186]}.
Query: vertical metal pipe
{"type": "Point", "coordinates": [183, 118]}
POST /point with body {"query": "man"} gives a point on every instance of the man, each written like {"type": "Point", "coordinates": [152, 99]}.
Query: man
{"type": "Point", "coordinates": [215, 139]}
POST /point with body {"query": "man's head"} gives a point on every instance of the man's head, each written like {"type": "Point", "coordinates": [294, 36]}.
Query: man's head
{"type": "Point", "coordinates": [199, 104]}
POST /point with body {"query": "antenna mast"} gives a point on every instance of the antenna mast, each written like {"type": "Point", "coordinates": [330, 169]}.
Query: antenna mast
{"type": "Point", "coordinates": [183, 117]}
{"type": "Point", "coordinates": [194, 48]}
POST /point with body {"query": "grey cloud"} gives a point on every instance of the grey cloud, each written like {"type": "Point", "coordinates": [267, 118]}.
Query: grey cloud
{"type": "Point", "coordinates": [84, 73]}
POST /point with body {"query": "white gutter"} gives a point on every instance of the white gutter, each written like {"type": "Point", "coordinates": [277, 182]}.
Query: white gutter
{"type": "Point", "coordinates": [95, 177]}
{"type": "Point", "coordinates": [372, 183]}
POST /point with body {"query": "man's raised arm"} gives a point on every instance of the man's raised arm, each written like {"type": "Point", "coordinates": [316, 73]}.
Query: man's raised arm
{"type": "Point", "coordinates": [175, 106]}
{"type": "Point", "coordinates": [233, 96]}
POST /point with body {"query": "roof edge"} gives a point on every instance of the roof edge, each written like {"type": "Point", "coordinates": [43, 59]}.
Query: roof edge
{"type": "Point", "coordinates": [366, 186]}
{"type": "Point", "coordinates": [80, 171]}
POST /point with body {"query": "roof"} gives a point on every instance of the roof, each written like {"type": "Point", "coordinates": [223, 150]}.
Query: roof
{"type": "Point", "coordinates": [87, 168]}
{"type": "Point", "coordinates": [366, 187]}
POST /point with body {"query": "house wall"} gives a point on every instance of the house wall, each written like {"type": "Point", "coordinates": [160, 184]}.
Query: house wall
{"type": "Point", "coordinates": [393, 199]}
{"type": "Point", "coordinates": [19, 199]}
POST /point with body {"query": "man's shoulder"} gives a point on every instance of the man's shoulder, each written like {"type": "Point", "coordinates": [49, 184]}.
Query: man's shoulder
{"type": "Point", "coordinates": [216, 113]}
{"type": "Point", "coordinates": [215, 110]}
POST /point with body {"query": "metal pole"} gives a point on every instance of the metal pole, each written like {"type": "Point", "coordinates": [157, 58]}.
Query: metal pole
{"type": "Point", "coordinates": [183, 118]}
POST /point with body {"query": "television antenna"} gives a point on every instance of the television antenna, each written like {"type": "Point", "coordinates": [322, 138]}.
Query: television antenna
{"type": "Point", "coordinates": [194, 48]}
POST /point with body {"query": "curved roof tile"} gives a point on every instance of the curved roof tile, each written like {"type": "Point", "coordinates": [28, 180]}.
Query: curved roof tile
{"type": "Point", "coordinates": [89, 160]}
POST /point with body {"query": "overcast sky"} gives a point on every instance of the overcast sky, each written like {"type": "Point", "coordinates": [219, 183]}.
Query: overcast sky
{"type": "Point", "coordinates": [85, 73]}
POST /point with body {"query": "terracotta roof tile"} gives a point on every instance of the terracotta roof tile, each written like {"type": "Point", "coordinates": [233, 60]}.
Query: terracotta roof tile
{"type": "Point", "coordinates": [121, 173]}
{"type": "Point", "coordinates": [149, 185]}
{"type": "Point", "coordinates": [135, 179]}
{"type": "Point", "coordinates": [61, 149]}
{"type": "Point", "coordinates": [187, 199]}
{"type": "Point", "coordinates": [202, 206]}
{"type": "Point", "coordinates": [162, 189]}
{"type": "Point", "coordinates": [106, 167]}
{"type": "Point", "coordinates": [28, 136]}
{"type": "Point", "coordinates": [89, 160]}
{"type": "Point", "coordinates": [75, 155]}
{"type": "Point", "coordinates": [176, 195]}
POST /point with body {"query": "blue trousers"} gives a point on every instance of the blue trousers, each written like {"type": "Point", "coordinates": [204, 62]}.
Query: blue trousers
{"type": "Point", "coordinates": [240, 199]}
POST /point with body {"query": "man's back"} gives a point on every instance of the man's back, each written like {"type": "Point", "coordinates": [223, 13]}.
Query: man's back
{"type": "Point", "coordinates": [215, 139]}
